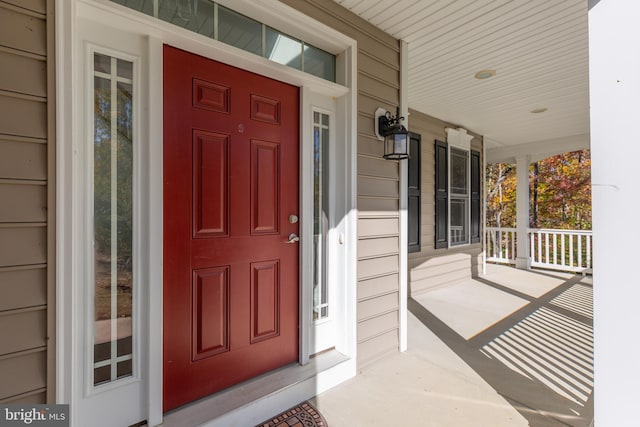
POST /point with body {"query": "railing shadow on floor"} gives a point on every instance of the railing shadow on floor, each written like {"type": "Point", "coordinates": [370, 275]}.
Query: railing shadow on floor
{"type": "Point", "coordinates": [540, 358]}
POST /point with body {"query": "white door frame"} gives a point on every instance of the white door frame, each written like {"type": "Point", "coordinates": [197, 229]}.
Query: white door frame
{"type": "Point", "coordinates": [152, 34]}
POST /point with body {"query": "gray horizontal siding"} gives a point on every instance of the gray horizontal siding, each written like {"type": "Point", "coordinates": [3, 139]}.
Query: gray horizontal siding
{"type": "Point", "coordinates": [27, 121]}
{"type": "Point", "coordinates": [378, 179]}
{"type": "Point", "coordinates": [433, 268]}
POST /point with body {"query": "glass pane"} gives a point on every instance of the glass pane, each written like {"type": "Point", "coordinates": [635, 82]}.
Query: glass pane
{"type": "Point", "coordinates": [319, 63]}
{"type": "Point", "coordinates": [102, 63]}
{"type": "Point", "coordinates": [125, 368]}
{"type": "Point", "coordinates": [125, 69]}
{"type": "Point", "coordinates": [194, 15]}
{"type": "Point", "coordinates": [459, 221]}
{"type": "Point", "coordinates": [458, 171]}
{"type": "Point", "coordinates": [239, 31]}
{"type": "Point", "coordinates": [325, 120]}
{"type": "Point", "coordinates": [113, 221]}
{"type": "Point", "coordinates": [320, 214]}
{"type": "Point", "coordinates": [144, 6]}
{"type": "Point", "coordinates": [101, 375]}
{"type": "Point", "coordinates": [283, 49]}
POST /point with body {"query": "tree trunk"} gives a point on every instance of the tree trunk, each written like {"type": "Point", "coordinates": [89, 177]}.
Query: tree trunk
{"type": "Point", "coordinates": [499, 211]}
{"type": "Point", "coordinates": [534, 205]}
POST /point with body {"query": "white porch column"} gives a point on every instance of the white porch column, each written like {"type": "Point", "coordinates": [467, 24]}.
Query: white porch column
{"type": "Point", "coordinates": [523, 260]}
{"type": "Point", "coordinates": [404, 199]}
{"type": "Point", "coordinates": [614, 80]}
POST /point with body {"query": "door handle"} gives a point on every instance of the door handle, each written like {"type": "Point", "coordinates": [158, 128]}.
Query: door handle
{"type": "Point", "coordinates": [293, 238]}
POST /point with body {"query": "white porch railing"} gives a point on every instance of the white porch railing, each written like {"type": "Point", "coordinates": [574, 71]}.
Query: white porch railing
{"type": "Point", "coordinates": [565, 250]}
{"type": "Point", "coordinates": [501, 245]}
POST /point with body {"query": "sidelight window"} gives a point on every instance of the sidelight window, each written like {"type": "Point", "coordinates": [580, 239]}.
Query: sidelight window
{"type": "Point", "coordinates": [320, 214]}
{"type": "Point", "coordinates": [112, 218]}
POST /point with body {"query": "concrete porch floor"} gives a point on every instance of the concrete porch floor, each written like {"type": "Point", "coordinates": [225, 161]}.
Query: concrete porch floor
{"type": "Point", "coordinates": [511, 348]}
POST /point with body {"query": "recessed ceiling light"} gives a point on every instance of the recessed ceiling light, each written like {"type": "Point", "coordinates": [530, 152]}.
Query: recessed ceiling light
{"type": "Point", "coordinates": [539, 110]}
{"type": "Point", "coordinates": [485, 74]}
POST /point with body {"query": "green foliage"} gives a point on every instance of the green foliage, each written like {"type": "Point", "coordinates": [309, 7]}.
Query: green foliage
{"type": "Point", "coordinates": [560, 190]}
{"type": "Point", "coordinates": [562, 186]}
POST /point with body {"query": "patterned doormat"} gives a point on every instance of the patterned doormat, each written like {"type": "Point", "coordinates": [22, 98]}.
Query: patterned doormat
{"type": "Point", "coordinates": [302, 415]}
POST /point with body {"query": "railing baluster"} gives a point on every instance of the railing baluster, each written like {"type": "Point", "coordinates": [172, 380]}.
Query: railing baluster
{"type": "Point", "coordinates": [588, 252]}
{"type": "Point", "coordinates": [555, 248]}
{"type": "Point", "coordinates": [579, 250]}
{"type": "Point", "coordinates": [570, 250]}
{"type": "Point", "coordinates": [562, 250]}
{"type": "Point", "coordinates": [539, 237]}
{"type": "Point", "coordinates": [546, 248]}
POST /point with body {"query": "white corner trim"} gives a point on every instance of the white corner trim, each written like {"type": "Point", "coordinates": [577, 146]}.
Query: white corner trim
{"type": "Point", "coordinates": [155, 229]}
{"type": "Point", "coordinates": [65, 356]}
{"type": "Point", "coordinates": [459, 138]}
{"type": "Point", "coordinates": [404, 193]}
{"type": "Point", "coordinates": [483, 198]}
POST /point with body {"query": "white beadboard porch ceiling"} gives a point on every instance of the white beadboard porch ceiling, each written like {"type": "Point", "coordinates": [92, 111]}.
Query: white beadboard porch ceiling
{"type": "Point", "coordinates": [539, 49]}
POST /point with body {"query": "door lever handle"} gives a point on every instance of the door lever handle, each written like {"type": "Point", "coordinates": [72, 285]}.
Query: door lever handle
{"type": "Point", "coordinates": [293, 238]}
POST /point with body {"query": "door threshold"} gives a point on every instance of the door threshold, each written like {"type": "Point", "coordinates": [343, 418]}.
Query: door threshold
{"type": "Point", "coordinates": [257, 399]}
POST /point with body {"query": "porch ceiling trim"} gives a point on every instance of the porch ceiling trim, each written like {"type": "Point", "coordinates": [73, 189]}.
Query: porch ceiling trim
{"type": "Point", "coordinates": [538, 150]}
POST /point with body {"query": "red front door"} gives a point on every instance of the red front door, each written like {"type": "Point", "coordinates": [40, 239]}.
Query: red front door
{"type": "Point", "coordinates": [230, 185]}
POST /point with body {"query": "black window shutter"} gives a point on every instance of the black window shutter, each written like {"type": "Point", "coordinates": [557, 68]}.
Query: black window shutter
{"type": "Point", "coordinates": [442, 195]}
{"type": "Point", "coordinates": [475, 197]}
{"type": "Point", "coordinates": [413, 193]}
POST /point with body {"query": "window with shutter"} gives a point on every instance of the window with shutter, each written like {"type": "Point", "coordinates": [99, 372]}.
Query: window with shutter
{"type": "Point", "coordinates": [413, 193]}
{"type": "Point", "coordinates": [475, 197]}
{"type": "Point", "coordinates": [457, 196]}
{"type": "Point", "coordinates": [441, 195]}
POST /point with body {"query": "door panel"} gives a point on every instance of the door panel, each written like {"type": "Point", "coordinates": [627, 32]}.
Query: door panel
{"type": "Point", "coordinates": [210, 325]}
{"type": "Point", "coordinates": [230, 182]}
{"type": "Point", "coordinates": [265, 287]}
{"type": "Point", "coordinates": [210, 184]}
{"type": "Point", "coordinates": [265, 188]}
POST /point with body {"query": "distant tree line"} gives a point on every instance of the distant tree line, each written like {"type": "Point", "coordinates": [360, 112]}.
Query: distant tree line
{"type": "Point", "coordinates": [560, 191]}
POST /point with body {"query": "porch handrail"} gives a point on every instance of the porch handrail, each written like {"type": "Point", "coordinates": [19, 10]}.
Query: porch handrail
{"type": "Point", "coordinates": [553, 249]}
{"type": "Point", "coordinates": [566, 250]}
{"type": "Point", "coordinates": [501, 244]}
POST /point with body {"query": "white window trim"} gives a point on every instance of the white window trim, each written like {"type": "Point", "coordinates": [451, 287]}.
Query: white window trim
{"type": "Point", "coordinates": [461, 140]}
{"type": "Point", "coordinates": [335, 253]}
{"type": "Point", "coordinates": [139, 276]}
{"type": "Point", "coordinates": [156, 33]}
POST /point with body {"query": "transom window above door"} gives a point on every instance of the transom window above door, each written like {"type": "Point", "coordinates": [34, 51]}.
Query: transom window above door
{"type": "Point", "coordinates": [223, 24]}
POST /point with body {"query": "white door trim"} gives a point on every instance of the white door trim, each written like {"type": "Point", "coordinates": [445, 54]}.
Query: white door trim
{"type": "Point", "coordinates": [155, 33]}
{"type": "Point", "coordinates": [74, 352]}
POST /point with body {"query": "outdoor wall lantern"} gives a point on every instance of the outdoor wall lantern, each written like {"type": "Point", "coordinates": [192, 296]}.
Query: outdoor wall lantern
{"type": "Point", "coordinates": [394, 135]}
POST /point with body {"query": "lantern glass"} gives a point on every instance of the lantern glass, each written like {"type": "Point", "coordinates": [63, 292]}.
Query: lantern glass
{"type": "Point", "coordinates": [396, 146]}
